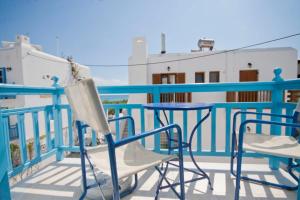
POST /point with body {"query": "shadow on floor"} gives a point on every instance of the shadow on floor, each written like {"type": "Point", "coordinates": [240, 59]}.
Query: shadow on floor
{"type": "Point", "coordinates": [61, 181]}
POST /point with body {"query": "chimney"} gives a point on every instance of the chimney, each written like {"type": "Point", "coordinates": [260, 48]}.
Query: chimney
{"type": "Point", "coordinates": [163, 43]}
{"type": "Point", "coordinates": [23, 39]}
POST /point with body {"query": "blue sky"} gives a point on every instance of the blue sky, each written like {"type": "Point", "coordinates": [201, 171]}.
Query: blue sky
{"type": "Point", "coordinates": [101, 31]}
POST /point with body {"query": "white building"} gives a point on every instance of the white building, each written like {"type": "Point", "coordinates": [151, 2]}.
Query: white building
{"type": "Point", "coordinates": [26, 64]}
{"type": "Point", "coordinates": [210, 66]}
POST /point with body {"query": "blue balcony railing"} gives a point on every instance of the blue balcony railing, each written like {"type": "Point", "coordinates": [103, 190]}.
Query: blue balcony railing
{"type": "Point", "coordinates": [56, 119]}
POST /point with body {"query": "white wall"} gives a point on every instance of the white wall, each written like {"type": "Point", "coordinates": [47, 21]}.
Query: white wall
{"type": "Point", "coordinates": [229, 64]}
{"type": "Point", "coordinates": [298, 67]}
{"type": "Point", "coordinates": [137, 75]}
{"type": "Point", "coordinates": [11, 57]}
{"type": "Point", "coordinates": [32, 67]}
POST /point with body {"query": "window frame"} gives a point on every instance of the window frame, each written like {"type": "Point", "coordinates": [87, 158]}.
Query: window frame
{"type": "Point", "coordinates": [200, 73]}
{"type": "Point", "coordinates": [209, 76]}
{"type": "Point", "coordinates": [3, 79]}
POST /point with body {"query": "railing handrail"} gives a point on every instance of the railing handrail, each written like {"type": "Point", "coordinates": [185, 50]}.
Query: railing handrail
{"type": "Point", "coordinates": [10, 89]}
{"type": "Point", "coordinates": [15, 111]}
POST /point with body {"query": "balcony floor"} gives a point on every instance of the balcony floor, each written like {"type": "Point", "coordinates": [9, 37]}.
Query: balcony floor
{"type": "Point", "coordinates": [61, 181]}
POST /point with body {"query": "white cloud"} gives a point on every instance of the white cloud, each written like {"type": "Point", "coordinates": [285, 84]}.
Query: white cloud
{"type": "Point", "coordinates": [101, 81]}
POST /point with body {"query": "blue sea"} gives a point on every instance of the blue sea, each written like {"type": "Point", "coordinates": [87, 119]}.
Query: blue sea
{"type": "Point", "coordinates": [116, 97]}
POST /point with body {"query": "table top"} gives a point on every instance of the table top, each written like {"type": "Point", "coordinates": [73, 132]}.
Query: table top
{"type": "Point", "coordinates": [178, 106]}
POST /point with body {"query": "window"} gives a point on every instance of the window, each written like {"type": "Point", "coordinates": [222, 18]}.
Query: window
{"type": "Point", "coordinates": [4, 80]}
{"type": "Point", "coordinates": [199, 77]}
{"type": "Point", "coordinates": [170, 78]}
{"type": "Point", "coordinates": [214, 77]}
{"type": "Point", "coordinates": [13, 127]}
{"type": "Point", "coordinates": [2, 75]}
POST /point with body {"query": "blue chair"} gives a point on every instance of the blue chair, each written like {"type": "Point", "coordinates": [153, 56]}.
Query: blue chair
{"type": "Point", "coordinates": [118, 159]}
{"type": "Point", "coordinates": [269, 145]}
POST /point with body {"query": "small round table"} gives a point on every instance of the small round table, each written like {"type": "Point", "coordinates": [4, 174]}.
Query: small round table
{"type": "Point", "coordinates": [156, 107]}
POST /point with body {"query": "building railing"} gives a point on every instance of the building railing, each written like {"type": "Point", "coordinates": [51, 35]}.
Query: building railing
{"type": "Point", "coordinates": [62, 112]}
{"type": "Point", "coordinates": [246, 96]}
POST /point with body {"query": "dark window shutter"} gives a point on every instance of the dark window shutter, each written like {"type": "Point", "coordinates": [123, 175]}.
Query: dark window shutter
{"type": "Point", "coordinates": [156, 79]}
{"type": "Point", "coordinates": [180, 78]}
{"type": "Point", "coordinates": [230, 97]}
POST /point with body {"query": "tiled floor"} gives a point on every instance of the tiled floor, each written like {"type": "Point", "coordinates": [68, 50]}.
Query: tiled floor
{"type": "Point", "coordinates": [61, 181]}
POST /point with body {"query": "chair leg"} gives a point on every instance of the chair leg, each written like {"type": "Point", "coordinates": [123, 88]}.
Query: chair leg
{"type": "Point", "coordinates": [128, 192]}
{"type": "Point", "coordinates": [298, 192]}
{"type": "Point", "coordinates": [82, 159]}
{"type": "Point", "coordinates": [233, 141]}
{"type": "Point", "coordinates": [162, 176]}
{"type": "Point", "coordinates": [238, 175]}
{"type": "Point", "coordinates": [181, 175]}
{"type": "Point", "coordinates": [116, 190]}
{"type": "Point", "coordinates": [113, 167]}
{"type": "Point", "coordinates": [281, 186]}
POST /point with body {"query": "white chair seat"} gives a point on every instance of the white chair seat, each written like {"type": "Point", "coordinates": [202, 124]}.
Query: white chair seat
{"type": "Point", "coordinates": [283, 146]}
{"type": "Point", "coordinates": [131, 158]}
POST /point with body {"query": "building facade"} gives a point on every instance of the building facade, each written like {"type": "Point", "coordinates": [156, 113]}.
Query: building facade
{"type": "Point", "coordinates": [23, 63]}
{"type": "Point", "coordinates": [209, 66]}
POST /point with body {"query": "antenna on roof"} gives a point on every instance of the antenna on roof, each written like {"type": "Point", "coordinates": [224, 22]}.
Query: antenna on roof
{"type": "Point", "coordinates": [57, 45]}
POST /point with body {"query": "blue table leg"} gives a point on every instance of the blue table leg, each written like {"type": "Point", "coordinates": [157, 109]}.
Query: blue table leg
{"type": "Point", "coordinates": [298, 191]}
{"type": "Point", "coordinates": [200, 172]}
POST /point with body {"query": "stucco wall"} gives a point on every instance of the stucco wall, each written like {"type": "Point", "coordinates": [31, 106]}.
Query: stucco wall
{"type": "Point", "coordinates": [229, 64]}
{"type": "Point", "coordinates": [32, 67]}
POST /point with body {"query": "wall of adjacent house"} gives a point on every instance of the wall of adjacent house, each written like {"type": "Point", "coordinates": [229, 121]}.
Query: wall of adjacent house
{"type": "Point", "coordinates": [10, 58]}
{"type": "Point", "coordinates": [228, 64]}
{"type": "Point", "coordinates": [32, 67]}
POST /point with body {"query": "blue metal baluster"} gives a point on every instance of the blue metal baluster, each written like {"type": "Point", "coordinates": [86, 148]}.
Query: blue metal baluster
{"type": "Point", "coordinates": [142, 116]}
{"type": "Point", "coordinates": [117, 123]}
{"type": "Point", "coordinates": [6, 141]}
{"type": "Point", "coordinates": [171, 119]}
{"type": "Point", "coordinates": [47, 129]}
{"type": "Point", "coordinates": [199, 133]}
{"type": "Point", "coordinates": [106, 111]}
{"type": "Point", "coordinates": [56, 98]}
{"type": "Point", "coordinates": [36, 133]}
{"type": "Point", "coordinates": [185, 130]}
{"type": "Point", "coordinates": [70, 127]}
{"type": "Point", "coordinates": [277, 96]}
{"type": "Point", "coordinates": [228, 130]}
{"type": "Point", "coordinates": [156, 99]}
{"type": "Point", "coordinates": [5, 164]}
{"type": "Point", "coordinates": [4, 186]}
{"type": "Point", "coordinates": [22, 138]}
{"type": "Point", "coordinates": [288, 129]}
{"type": "Point", "coordinates": [258, 117]}
{"type": "Point", "coordinates": [129, 123]}
{"type": "Point", "coordinates": [94, 138]}
{"type": "Point", "coordinates": [213, 130]}
{"type": "Point", "coordinates": [243, 115]}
